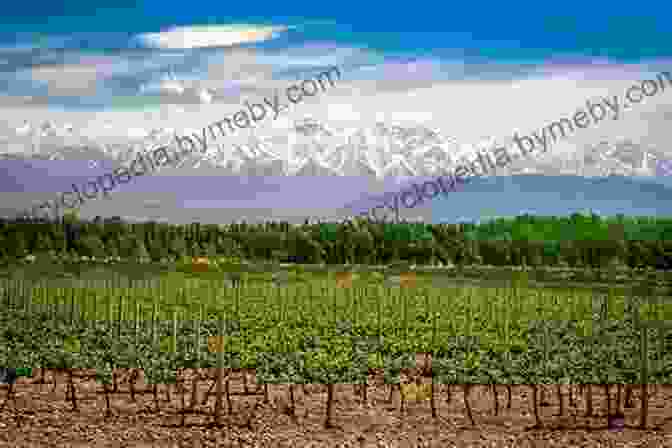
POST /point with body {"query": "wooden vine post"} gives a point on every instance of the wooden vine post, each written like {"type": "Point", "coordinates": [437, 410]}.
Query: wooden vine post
{"type": "Point", "coordinates": [95, 305]}
{"type": "Point", "coordinates": [120, 315]}
{"type": "Point", "coordinates": [328, 424]}
{"type": "Point", "coordinates": [435, 323]}
{"type": "Point", "coordinates": [72, 307]}
{"type": "Point", "coordinates": [645, 396]}
{"type": "Point", "coordinates": [173, 339]}
{"type": "Point", "coordinates": [108, 299]}
{"type": "Point", "coordinates": [136, 323]}
{"type": "Point", "coordinates": [197, 345]}
{"type": "Point", "coordinates": [645, 293]}
{"type": "Point", "coordinates": [220, 372]}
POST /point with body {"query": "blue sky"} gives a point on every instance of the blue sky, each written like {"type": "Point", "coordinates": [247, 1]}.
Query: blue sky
{"type": "Point", "coordinates": [473, 70]}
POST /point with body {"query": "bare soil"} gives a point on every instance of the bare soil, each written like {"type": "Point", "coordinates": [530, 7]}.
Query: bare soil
{"type": "Point", "coordinates": [39, 415]}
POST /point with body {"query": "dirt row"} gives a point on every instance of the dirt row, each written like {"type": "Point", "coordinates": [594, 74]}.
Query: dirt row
{"type": "Point", "coordinates": [41, 415]}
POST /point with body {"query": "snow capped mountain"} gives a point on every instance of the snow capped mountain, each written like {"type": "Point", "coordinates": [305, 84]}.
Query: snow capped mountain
{"type": "Point", "coordinates": [311, 148]}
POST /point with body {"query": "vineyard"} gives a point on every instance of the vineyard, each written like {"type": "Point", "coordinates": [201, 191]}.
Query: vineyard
{"type": "Point", "coordinates": [197, 338]}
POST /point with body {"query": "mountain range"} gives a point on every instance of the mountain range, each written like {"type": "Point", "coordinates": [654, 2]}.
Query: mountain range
{"type": "Point", "coordinates": [606, 176]}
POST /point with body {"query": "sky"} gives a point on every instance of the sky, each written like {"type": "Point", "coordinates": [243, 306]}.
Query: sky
{"type": "Point", "coordinates": [471, 70]}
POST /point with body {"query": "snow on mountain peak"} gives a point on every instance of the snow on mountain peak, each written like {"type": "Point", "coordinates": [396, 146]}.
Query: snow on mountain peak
{"type": "Point", "coordinates": [381, 150]}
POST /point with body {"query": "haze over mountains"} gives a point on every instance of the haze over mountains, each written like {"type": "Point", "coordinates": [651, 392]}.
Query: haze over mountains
{"type": "Point", "coordinates": [328, 169]}
{"type": "Point", "coordinates": [82, 95]}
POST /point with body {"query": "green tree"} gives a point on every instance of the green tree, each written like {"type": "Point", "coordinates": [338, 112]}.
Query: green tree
{"type": "Point", "coordinates": [18, 245]}
{"type": "Point", "coordinates": [364, 246]}
{"type": "Point", "coordinates": [112, 248]}
{"type": "Point", "coordinates": [195, 249]}
{"type": "Point", "coordinates": [158, 250]}
{"type": "Point", "coordinates": [211, 250]}
{"type": "Point", "coordinates": [92, 246]}
{"type": "Point", "coordinates": [127, 246]}
{"type": "Point", "coordinates": [43, 243]}
{"type": "Point", "coordinates": [178, 247]}
{"type": "Point", "coordinates": [140, 253]}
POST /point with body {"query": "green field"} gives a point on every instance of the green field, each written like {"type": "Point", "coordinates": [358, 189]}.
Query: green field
{"type": "Point", "coordinates": [301, 327]}
{"type": "Point", "coordinates": [491, 323]}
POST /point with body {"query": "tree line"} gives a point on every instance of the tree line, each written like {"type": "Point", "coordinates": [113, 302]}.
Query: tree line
{"type": "Point", "coordinates": [578, 240]}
